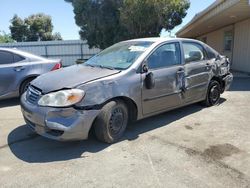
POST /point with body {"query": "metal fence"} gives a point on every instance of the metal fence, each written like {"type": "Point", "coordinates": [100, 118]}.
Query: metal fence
{"type": "Point", "coordinates": [68, 50]}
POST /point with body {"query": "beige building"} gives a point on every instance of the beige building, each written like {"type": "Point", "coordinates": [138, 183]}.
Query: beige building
{"type": "Point", "coordinates": [225, 26]}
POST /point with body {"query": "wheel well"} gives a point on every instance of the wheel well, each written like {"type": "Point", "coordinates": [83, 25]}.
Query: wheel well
{"type": "Point", "coordinates": [132, 110]}
{"type": "Point", "coordinates": [24, 80]}
{"type": "Point", "coordinates": [132, 107]}
{"type": "Point", "coordinates": [221, 82]}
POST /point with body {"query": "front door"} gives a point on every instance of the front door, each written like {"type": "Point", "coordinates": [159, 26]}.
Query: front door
{"type": "Point", "coordinates": [197, 70]}
{"type": "Point", "coordinates": [166, 66]}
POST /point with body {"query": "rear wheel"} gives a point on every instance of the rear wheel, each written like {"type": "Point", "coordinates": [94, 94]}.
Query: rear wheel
{"type": "Point", "coordinates": [24, 86]}
{"type": "Point", "coordinates": [112, 121]}
{"type": "Point", "coordinates": [213, 93]}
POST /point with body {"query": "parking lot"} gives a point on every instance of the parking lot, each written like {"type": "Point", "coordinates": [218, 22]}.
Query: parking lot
{"type": "Point", "coordinates": [189, 147]}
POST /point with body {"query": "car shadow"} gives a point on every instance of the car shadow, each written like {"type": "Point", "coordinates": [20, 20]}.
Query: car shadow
{"type": "Point", "coordinates": [9, 102]}
{"type": "Point", "coordinates": [33, 148]}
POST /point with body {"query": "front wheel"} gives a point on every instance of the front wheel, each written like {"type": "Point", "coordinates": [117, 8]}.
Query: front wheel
{"type": "Point", "coordinates": [213, 93]}
{"type": "Point", "coordinates": [112, 121]}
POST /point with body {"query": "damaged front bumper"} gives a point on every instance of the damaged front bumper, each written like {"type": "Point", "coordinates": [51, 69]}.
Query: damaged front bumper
{"type": "Point", "coordinates": [63, 124]}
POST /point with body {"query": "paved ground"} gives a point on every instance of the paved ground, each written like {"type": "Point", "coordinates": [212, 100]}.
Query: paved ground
{"type": "Point", "coordinates": [188, 147]}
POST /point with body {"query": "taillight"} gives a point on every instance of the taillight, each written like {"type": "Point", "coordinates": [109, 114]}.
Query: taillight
{"type": "Point", "coordinates": [57, 66]}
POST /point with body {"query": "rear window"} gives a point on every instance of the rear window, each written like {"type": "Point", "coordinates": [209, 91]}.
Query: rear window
{"type": "Point", "coordinates": [193, 52]}
{"type": "Point", "coordinates": [18, 58]}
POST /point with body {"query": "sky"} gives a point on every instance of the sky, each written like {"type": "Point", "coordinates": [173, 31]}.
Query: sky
{"type": "Point", "coordinates": [63, 16]}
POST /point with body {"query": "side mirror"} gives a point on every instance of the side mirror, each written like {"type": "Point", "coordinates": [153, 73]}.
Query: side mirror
{"type": "Point", "coordinates": [150, 81]}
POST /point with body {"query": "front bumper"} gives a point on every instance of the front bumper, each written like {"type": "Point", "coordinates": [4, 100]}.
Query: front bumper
{"type": "Point", "coordinates": [228, 79]}
{"type": "Point", "coordinates": [63, 124]}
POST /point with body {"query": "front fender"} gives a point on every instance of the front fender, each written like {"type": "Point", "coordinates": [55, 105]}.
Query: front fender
{"type": "Point", "coordinates": [99, 92]}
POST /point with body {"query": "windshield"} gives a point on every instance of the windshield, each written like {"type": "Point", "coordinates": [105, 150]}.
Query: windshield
{"type": "Point", "coordinates": [119, 56]}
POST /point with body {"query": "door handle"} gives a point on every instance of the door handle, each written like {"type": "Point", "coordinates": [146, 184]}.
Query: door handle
{"type": "Point", "coordinates": [19, 68]}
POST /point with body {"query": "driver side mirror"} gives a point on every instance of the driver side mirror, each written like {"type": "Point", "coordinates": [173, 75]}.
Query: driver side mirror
{"type": "Point", "coordinates": [149, 79]}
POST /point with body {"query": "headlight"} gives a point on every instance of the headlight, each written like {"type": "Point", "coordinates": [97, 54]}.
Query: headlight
{"type": "Point", "coordinates": [62, 98]}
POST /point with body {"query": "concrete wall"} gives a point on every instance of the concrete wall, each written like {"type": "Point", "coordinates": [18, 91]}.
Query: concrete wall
{"type": "Point", "coordinates": [241, 56]}
{"type": "Point", "coordinates": [68, 51]}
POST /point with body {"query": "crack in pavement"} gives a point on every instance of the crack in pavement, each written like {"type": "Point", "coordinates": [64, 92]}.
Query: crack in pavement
{"type": "Point", "coordinates": [31, 137]}
{"type": "Point", "coordinates": [151, 164]}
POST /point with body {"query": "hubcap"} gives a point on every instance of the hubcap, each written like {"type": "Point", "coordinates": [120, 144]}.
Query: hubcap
{"type": "Point", "coordinates": [116, 121]}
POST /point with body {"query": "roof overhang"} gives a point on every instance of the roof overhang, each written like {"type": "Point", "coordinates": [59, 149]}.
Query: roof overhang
{"type": "Point", "coordinates": [220, 14]}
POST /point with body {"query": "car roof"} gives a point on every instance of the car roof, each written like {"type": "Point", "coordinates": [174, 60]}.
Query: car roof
{"type": "Point", "coordinates": [163, 39]}
{"type": "Point", "coordinates": [23, 53]}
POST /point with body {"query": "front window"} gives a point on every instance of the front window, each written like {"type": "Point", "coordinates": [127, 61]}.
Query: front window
{"type": "Point", "coordinates": [165, 56]}
{"type": "Point", "coordinates": [119, 56]}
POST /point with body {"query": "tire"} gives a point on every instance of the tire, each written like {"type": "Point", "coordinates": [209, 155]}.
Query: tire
{"type": "Point", "coordinates": [112, 121]}
{"type": "Point", "coordinates": [213, 93]}
{"type": "Point", "coordinates": [24, 86]}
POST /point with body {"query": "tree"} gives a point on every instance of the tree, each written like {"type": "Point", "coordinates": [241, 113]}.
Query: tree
{"type": "Point", "coordinates": [37, 27]}
{"type": "Point", "coordinates": [5, 38]}
{"type": "Point", "coordinates": [99, 21]}
{"type": "Point", "coordinates": [105, 22]}
{"type": "Point", "coordinates": [146, 18]}
{"type": "Point", "coordinates": [18, 29]}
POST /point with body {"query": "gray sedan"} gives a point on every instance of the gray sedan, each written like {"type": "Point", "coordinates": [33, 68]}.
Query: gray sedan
{"type": "Point", "coordinates": [126, 82]}
{"type": "Point", "coordinates": [19, 68]}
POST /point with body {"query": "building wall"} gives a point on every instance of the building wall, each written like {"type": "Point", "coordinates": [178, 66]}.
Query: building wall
{"type": "Point", "coordinates": [241, 56]}
{"type": "Point", "coordinates": [216, 40]}
{"type": "Point", "coordinates": [66, 50]}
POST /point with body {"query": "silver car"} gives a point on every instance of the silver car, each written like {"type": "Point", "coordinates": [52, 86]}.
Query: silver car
{"type": "Point", "coordinates": [19, 68]}
{"type": "Point", "coordinates": [128, 81]}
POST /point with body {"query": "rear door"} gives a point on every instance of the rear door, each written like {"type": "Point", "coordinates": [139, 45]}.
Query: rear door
{"type": "Point", "coordinates": [9, 72]}
{"type": "Point", "coordinates": [166, 65]}
{"type": "Point", "coordinates": [197, 70]}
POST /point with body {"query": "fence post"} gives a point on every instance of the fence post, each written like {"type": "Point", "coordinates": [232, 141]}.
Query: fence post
{"type": "Point", "coordinates": [46, 51]}
{"type": "Point", "coordinates": [81, 50]}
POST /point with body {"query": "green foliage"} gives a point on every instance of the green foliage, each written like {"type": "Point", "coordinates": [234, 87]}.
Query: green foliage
{"type": "Point", "coordinates": [18, 29]}
{"type": "Point", "coordinates": [37, 27]}
{"type": "Point", "coordinates": [105, 22]}
{"type": "Point", "coordinates": [5, 38]}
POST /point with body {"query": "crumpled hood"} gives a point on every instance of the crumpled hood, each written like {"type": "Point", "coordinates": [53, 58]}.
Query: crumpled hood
{"type": "Point", "coordinates": [70, 77]}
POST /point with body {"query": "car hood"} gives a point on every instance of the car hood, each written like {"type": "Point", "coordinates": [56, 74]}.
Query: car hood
{"type": "Point", "coordinates": [70, 77]}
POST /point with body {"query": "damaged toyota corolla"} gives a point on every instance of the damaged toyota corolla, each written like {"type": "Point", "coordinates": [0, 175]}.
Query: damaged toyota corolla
{"type": "Point", "coordinates": [128, 81]}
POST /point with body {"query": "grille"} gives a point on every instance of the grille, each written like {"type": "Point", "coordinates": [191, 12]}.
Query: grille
{"type": "Point", "coordinates": [33, 95]}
